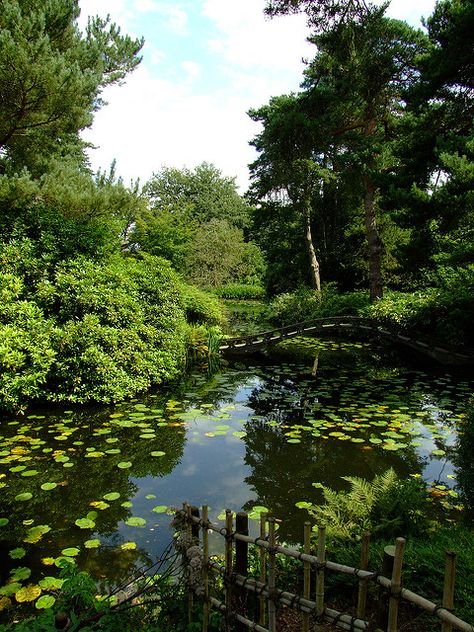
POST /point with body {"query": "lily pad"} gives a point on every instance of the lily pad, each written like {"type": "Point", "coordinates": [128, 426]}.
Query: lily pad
{"type": "Point", "coordinates": [36, 533]}
{"type": "Point", "coordinates": [28, 593]}
{"type": "Point", "coordinates": [85, 523]}
{"type": "Point", "coordinates": [51, 583]}
{"type": "Point", "coordinates": [20, 573]}
{"type": "Point", "coordinates": [30, 473]}
{"type": "Point", "coordinates": [45, 602]}
{"type": "Point", "coordinates": [71, 551]}
{"type": "Point", "coordinates": [128, 546]}
{"type": "Point", "coordinates": [135, 521]}
{"type": "Point", "coordinates": [48, 486]}
{"type": "Point", "coordinates": [157, 453]}
{"type": "Point", "coordinates": [123, 465]}
{"type": "Point", "coordinates": [17, 554]}
{"type": "Point", "coordinates": [24, 496]}
{"type": "Point", "coordinates": [160, 509]}
{"type": "Point", "coordinates": [92, 544]}
{"type": "Point", "coordinates": [10, 589]}
{"type": "Point", "coordinates": [111, 496]}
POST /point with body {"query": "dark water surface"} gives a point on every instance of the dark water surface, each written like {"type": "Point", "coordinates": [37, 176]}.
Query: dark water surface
{"type": "Point", "coordinates": [258, 433]}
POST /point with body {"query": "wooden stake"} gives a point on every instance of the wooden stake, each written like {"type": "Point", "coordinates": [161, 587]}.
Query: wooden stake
{"type": "Point", "coordinates": [228, 566]}
{"type": "Point", "coordinates": [307, 573]}
{"type": "Point", "coordinates": [395, 585]}
{"type": "Point", "coordinates": [364, 562]}
{"type": "Point", "coordinates": [205, 572]}
{"type": "Point", "coordinates": [263, 571]}
{"type": "Point", "coordinates": [448, 591]}
{"type": "Point", "coordinates": [271, 576]}
{"type": "Point", "coordinates": [187, 509]}
{"type": "Point", "coordinates": [320, 574]}
{"type": "Point", "coordinates": [241, 563]}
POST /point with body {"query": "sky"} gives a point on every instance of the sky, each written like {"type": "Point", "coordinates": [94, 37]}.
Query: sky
{"type": "Point", "coordinates": [205, 64]}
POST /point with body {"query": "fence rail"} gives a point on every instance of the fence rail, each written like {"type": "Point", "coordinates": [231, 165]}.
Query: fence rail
{"type": "Point", "coordinates": [445, 354]}
{"type": "Point", "coordinates": [237, 582]}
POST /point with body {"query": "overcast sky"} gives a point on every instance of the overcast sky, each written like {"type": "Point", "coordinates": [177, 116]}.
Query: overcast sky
{"type": "Point", "coordinates": [205, 64]}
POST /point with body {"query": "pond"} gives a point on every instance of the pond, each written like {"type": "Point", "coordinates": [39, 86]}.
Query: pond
{"type": "Point", "coordinates": [94, 483]}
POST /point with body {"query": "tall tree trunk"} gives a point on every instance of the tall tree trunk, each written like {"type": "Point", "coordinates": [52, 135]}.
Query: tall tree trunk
{"type": "Point", "coordinates": [313, 262]}
{"type": "Point", "coordinates": [373, 241]}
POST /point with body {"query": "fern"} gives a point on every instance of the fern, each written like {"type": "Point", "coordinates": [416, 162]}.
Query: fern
{"type": "Point", "coordinates": [347, 514]}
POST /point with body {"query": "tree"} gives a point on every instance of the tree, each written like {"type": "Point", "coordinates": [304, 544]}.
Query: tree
{"type": "Point", "coordinates": [218, 255]}
{"type": "Point", "coordinates": [430, 195]}
{"type": "Point", "coordinates": [200, 195]}
{"type": "Point", "coordinates": [292, 159]}
{"type": "Point", "coordinates": [52, 77]}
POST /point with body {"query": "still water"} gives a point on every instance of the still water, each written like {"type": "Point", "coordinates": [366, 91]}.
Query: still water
{"type": "Point", "coordinates": [94, 484]}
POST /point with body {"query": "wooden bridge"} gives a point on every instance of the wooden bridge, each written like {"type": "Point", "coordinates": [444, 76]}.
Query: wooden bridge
{"type": "Point", "coordinates": [443, 354]}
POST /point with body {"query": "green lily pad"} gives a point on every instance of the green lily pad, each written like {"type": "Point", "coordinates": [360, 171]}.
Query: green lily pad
{"type": "Point", "coordinates": [123, 465]}
{"type": "Point", "coordinates": [30, 473]}
{"type": "Point", "coordinates": [92, 544]}
{"type": "Point", "coordinates": [111, 496]}
{"type": "Point", "coordinates": [135, 521]}
{"type": "Point", "coordinates": [157, 453]}
{"type": "Point", "coordinates": [36, 533]}
{"type": "Point", "coordinates": [160, 509]}
{"type": "Point", "coordinates": [24, 496]}
{"type": "Point", "coordinates": [71, 551]}
{"type": "Point", "coordinates": [17, 554]}
{"type": "Point", "coordinates": [85, 523]}
{"type": "Point", "coordinates": [48, 486]}
{"type": "Point", "coordinates": [51, 583]}
{"type": "Point", "coordinates": [128, 546]}
{"type": "Point", "coordinates": [45, 602]}
{"type": "Point", "coordinates": [10, 589]}
{"type": "Point", "coordinates": [21, 573]}
{"type": "Point", "coordinates": [28, 593]}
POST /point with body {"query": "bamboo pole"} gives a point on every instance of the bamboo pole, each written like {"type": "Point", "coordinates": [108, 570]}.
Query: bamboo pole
{"type": "Point", "coordinates": [320, 575]}
{"type": "Point", "coordinates": [228, 565]}
{"type": "Point", "coordinates": [294, 601]}
{"type": "Point", "coordinates": [263, 570]}
{"type": "Point", "coordinates": [408, 595]}
{"type": "Point", "coordinates": [448, 590]}
{"type": "Point", "coordinates": [271, 576]}
{"type": "Point", "coordinates": [396, 585]}
{"type": "Point", "coordinates": [205, 571]}
{"type": "Point", "coordinates": [241, 563]}
{"type": "Point", "coordinates": [307, 573]}
{"type": "Point", "coordinates": [364, 563]}
{"type": "Point", "coordinates": [189, 523]}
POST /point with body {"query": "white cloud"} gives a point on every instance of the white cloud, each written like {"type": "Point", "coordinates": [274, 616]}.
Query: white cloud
{"type": "Point", "coordinates": [200, 115]}
{"type": "Point", "coordinates": [191, 68]}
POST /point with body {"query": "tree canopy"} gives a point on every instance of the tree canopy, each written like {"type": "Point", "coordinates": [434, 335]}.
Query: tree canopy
{"type": "Point", "coordinates": [52, 76]}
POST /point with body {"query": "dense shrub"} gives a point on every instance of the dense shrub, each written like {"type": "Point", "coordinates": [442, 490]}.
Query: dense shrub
{"type": "Point", "coordinates": [306, 304]}
{"type": "Point", "coordinates": [89, 331]}
{"type": "Point", "coordinates": [200, 306]}
{"type": "Point", "coordinates": [26, 346]}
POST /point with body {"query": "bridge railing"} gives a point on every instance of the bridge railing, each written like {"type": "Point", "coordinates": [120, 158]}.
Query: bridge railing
{"type": "Point", "coordinates": [446, 354]}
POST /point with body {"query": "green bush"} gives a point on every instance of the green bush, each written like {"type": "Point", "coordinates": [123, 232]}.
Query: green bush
{"type": "Point", "coordinates": [88, 331]}
{"type": "Point", "coordinates": [200, 306]}
{"type": "Point", "coordinates": [26, 345]}
{"type": "Point", "coordinates": [306, 304]}
{"type": "Point", "coordinates": [240, 291]}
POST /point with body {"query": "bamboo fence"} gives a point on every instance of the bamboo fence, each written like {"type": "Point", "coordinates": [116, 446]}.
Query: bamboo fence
{"type": "Point", "coordinates": [314, 612]}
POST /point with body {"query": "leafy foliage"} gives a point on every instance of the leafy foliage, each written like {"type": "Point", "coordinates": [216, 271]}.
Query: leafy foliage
{"type": "Point", "coordinates": [387, 506]}
{"type": "Point", "coordinates": [57, 74]}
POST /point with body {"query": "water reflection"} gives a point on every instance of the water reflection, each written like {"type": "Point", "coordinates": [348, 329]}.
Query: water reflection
{"type": "Point", "coordinates": [258, 433]}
